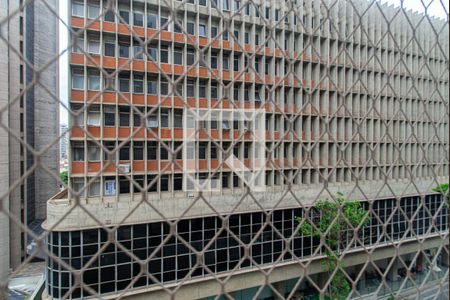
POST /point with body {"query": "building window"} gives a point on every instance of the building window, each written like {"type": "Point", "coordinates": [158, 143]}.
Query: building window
{"type": "Point", "coordinates": [152, 86]}
{"type": "Point", "coordinates": [110, 116]}
{"type": "Point", "coordinates": [237, 5]}
{"type": "Point", "coordinates": [78, 46]}
{"type": "Point", "coordinates": [165, 120]}
{"type": "Point", "coordinates": [138, 19]}
{"type": "Point", "coordinates": [226, 5]}
{"type": "Point", "coordinates": [191, 88]}
{"type": "Point", "coordinates": [152, 21]}
{"type": "Point", "coordinates": [78, 185]}
{"type": "Point", "coordinates": [138, 84]}
{"type": "Point", "coordinates": [190, 28]}
{"type": "Point", "coordinates": [213, 32]}
{"type": "Point", "coordinates": [94, 188]}
{"type": "Point", "coordinates": [77, 81]}
{"type": "Point", "coordinates": [152, 150]}
{"type": "Point", "coordinates": [94, 116]}
{"type": "Point", "coordinates": [178, 182]}
{"type": "Point", "coordinates": [94, 82]}
{"type": "Point", "coordinates": [138, 150]}
{"type": "Point", "coordinates": [93, 152]}
{"type": "Point", "coordinates": [137, 52]}
{"type": "Point", "coordinates": [178, 119]}
{"type": "Point", "coordinates": [164, 87]}
{"type": "Point", "coordinates": [164, 54]}
{"type": "Point", "coordinates": [190, 57]}
{"type": "Point", "coordinates": [124, 152]}
{"type": "Point", "coordinates": [124, 116]}
{"type": "Point", "coordinates": [77, 9]}
{"type": "Point", "coordinates": [110, 49]}
{"type": "Point", "coordinates": [202, 2]}
{"type": "Point", "coordinates": [124, 84]}
{"type": "Point", "coordinates": [125, 16]}
{"type": "Point", "coordinates": [110, 16]}
{"type": "Point", "coordinates": [124, 50]}
{"type": "Point", "coordinates": [164, 23]}
{"type": "Point", "coordinates": [152, 52]}
{"type": "Point", "coordinates": [178, 56]}
{"type": "Point", "coordinates": [202, 30]}
{"type": "Point", "coordinates": [93, 11]}
{"type": "Point", "coordinates": [78, 152]}
{"type": "Point", "coordinates": [152, 121]}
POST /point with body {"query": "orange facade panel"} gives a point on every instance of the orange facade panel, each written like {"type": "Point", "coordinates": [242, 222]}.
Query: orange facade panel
{"type": "Point", "coordinates": [94, 131]}
{"type": "Point", "coordinates": [76, 132]}
{"type": "Point", "coordinates": [94, 167]}
{"type": "Point", "coordinates": [124, 132]}
{"type": "Point", "coordinates": [77, 59]}
{"type": "Point", "coordinates": [109, 132]}
{"type": "Point", "coordinates": [77, 22]}
{"type": "Point", "coordinates": [109, 97]}
{"type": "Point", "coordinates": [77, 96]}
{"type": "Point", "coordinates": [138, 99]}
{"type": "Point", "coordinates": [138, 165]}
{"type": "Point", "coordinates": [77, 167]}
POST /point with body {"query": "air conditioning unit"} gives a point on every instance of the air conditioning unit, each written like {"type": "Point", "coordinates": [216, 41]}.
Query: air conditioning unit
{"type": "Point", "coordinates": [124, 168]}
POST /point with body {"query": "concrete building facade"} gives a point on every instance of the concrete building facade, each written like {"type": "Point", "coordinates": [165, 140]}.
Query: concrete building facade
{"type": "Point", "coordinates": [29, 115]}
{"type": "Point", "coordinates": [347, 108]}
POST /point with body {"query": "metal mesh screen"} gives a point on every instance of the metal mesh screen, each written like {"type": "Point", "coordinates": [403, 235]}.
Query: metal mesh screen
{"type": "Point", "coordinates": [222, 149]}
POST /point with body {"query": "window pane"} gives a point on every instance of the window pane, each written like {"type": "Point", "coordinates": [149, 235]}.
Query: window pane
{"type": "Point", "coordinates": [138, 19]}
{"type": "Point", "coordinates": [94, 83]}
{"type": "Point", "coordinates": [78, 81]}
{"type": "Point", "coordinates": [110, 49]}
{"type": "Point", "coordinates": [125, 15]}
{"type": "Point", "coordinates": [152, 21]}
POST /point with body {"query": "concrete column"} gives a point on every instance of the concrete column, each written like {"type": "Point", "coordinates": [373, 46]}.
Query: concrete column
{"type": "Point", "coordinates": [393, 271]}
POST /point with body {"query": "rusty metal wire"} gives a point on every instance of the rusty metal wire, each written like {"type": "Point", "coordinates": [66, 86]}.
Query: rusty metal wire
{"type": "Point", "coordinates": [227, 153]}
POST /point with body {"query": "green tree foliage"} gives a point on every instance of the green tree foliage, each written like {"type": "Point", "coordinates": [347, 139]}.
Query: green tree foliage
{"type": "Point", "coordinates": [443, 189]}
{"type": "Point", "coordinates": [64, 176]}
{"type": "Point", "coordinates": [334, 224]}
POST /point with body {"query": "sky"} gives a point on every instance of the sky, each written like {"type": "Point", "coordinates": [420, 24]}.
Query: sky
{"type": "Point", "coordinates": [435, 8]}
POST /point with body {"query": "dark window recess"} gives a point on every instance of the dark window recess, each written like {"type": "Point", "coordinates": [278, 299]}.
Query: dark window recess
{"type": "Point", "coordinates": [125, 16]}
{"type": "Point", "coordinates": [124, 152]}
{"type": "Point", "coordinates": [110, 49]}
{"type": "Point", "coordinates": [110, 119]}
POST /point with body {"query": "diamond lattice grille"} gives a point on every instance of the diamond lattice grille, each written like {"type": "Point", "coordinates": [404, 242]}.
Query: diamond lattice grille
{"type": "Point", "coordinates": [221, 149]}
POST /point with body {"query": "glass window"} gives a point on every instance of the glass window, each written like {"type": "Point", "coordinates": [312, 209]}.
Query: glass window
{"type": "Point", "coordinates": [124, 50]}
{"type": "Point", "coordinates": [78, 152]}
{"type": "Point", "coordinates": [93, 152]}
{"type": "Point", "coordinates": [226, 4]}
{"type": "Point", "coordinates": [214, 60]}
{"type": "Point", "coordinates": [152, 52]}
{"type": "Point", "coordinates": [152, 86]}
{"type": "Point", "coordinates": [78, 46]}
{"type": "Point", "coordinates": [164, 87]}
{"type": "Point", "coordinates": [110, 117]}
{"type": "Point", "coordinates": [178, 56]}
{"type": "Point", "coordinates": [202, 90]}
{"type": "Point", "coordinates": [202, 2]}
{"type": "Point", "coordinates": [138, 85]}
{"type": "Point", "coordinates": [138, 19]}
{"type": "Point", "coordinates": [125, 16]}
{"type": "Point", "coordinates": [237, 5]}
{"type": "Point", "coordinates": [137, 52]}
{"type": "Point", "coordinates": [94, 188]}
{"type": "Point", "coordinates": [124, 152]}
{"type": "Point", "coordinates": [110, 16]}
{"type": "Point", "coordinates": [163, 153]}
{"type": "Point", "coordinates": [78, 81]}
{"type": "Point", "coordinates": [213, 32]}
{"type": "Point", "coordinates": [165, 118]}
{"type": "Point", "coordinates": [164, 23]}
{"type": "Point", "coordinates": [94, 82]}
{"type": "Point", "coordinates": [152, 21]}
{"type": "Point", "coordinates": [77, 9]}
{"type": "Point", "coordinates": [152, 121]}
{"type": "Point", "coordinates": [202, 30]}
{"type": "Point", "coordinates": [164, 53]}
{"type": "Point", "coordinates": [93, 11]}
{"type": "Point", "coordinates": [190, 57]}
{"type": "Point", "coordinates": [151, 150]}
{"type": "Point", "coordinates": [213, 92]}
{"type": "Point", "coordinates": [124, 85]}
{"type": "Point", "coordinates": [138, 150]}
{"type": "Point", "coordinates": [178, 120]}
{"type": "Point", "coordinates": [94, 47]}
{"type": "Point", "coordinates": [190, 28]}
{"type": "Point", "coordinates": [225, 63]}
{"type": "Point", "coordinates": [94, 118]}
{"type": "Point", "coordinates": [110, 49]}
{"type": "Point", "coordinates": [191, 88]}
{"type": "Point", "coordinates": [124, 116]}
